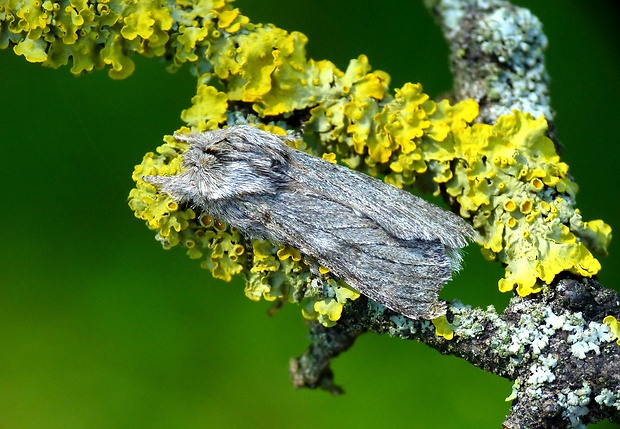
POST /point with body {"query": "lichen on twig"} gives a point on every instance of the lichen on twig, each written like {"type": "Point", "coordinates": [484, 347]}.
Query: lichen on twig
{"type": "Point", "coordinates": [489, 152]}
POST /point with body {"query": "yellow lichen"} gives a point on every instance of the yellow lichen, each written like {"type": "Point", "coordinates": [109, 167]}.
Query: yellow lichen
{"type": "Point", "coordinates": [33, 50]}
{"type": "Point", "coordinates": [226, 258]}
{"type": "Point", "coordinates": [614, 326]}
{"type": "Point", "coordinates": [208, 109]}
{"type": "Point", "coordinates": [288, 252]}
{"type": "Point", "coordinates": [328, 310]}
{"type": "Point", "coordinates": [443, 328]}
{"type": "Point", "coordinates": [94, 35]}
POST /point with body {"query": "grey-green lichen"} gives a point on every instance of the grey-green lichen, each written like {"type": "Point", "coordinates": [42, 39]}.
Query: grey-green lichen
{"type": "Point", "coordinates": [515, 38]}
{"type": "Point", "coordinates": [467, 321]}
{"type": "Point", "coordinates": [530, 341]}
{"type": "Point", "coordinates": [534, 330]}
{"type": "Point", "coordinates": [402, 326]}
{"type": "Point", "coordinates": [498, 55]}
{"type": "Point", "coordinates": [608, 398]}
{"type": "Point", "coordinates": [575, 403]}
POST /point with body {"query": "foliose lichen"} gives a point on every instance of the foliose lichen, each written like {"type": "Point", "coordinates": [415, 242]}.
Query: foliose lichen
{"type": "Point", "coordinates": [498, 55]}
{"type": "Point", "coordinates": [443, 328]}
{"type": "Point", "coordinates": [614, 327]}
{"type": "Point", "coordinates": [534, 332]}
{"type": "Point", "coordinates": [608, 398]}
{"type": "Point", "coordinates": [575, 404]}
{"type": "Point", "coordinates": [515, 38]}
{"type": "Point", "coordinates": [529, 342]}
{"type": "Point", "coordinates": [507, 178]}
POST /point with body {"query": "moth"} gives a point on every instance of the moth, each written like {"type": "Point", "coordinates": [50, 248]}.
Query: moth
{"type": "Point", "coordinates": [395, 248]}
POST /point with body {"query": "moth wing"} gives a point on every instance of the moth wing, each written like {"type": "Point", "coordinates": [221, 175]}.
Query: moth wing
{"type": "Point", "coordinates": [404, 275]}
{"type": "Point", "coordinates": [402, 214]}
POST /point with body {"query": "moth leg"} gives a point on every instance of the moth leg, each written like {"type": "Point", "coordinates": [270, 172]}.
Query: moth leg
{"type": "Point", "coordinates": [276, 306]}
{"type": "Point", "coordinates": [312, 264]}
{"type": "Point", "coordinates": [248, 245]}
{"type": "Point", "coordinates": [300, 294]}
{"type": "Point", "coordinates": [318, 283]}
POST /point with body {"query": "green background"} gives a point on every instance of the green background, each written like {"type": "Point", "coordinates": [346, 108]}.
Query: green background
{"type": "Point", "coordinates": [101, 328]}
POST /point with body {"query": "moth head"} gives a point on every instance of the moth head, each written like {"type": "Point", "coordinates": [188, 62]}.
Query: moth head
{"type": "Point", "coordinates": [226, 164]}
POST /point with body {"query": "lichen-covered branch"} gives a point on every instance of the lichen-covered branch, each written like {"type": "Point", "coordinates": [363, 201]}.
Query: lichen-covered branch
{"type": "Point", "coordinates": [497, 56]}
{"type": "Point", "coordinates": [553, 346]}
{"type": "Point", "coordinates": [488, 153]}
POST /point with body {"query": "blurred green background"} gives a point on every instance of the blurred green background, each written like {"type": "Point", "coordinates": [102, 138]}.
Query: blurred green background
{"type": "Point", "coordinates": [101, 328]}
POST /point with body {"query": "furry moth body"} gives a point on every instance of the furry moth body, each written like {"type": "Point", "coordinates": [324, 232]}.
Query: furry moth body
{"type": "Point", "coordinates": [393, 247]}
